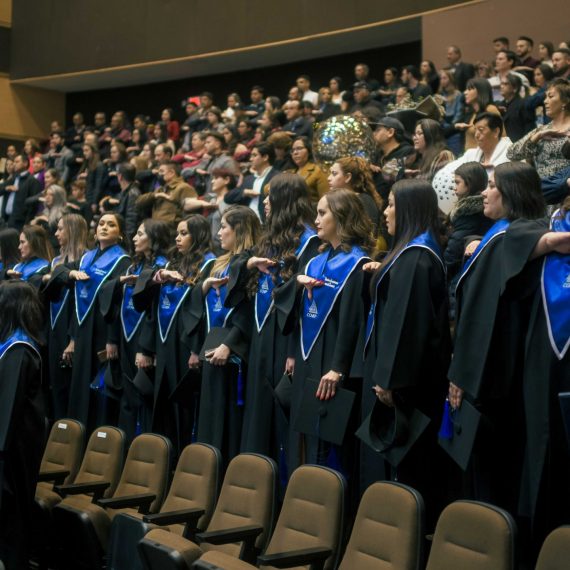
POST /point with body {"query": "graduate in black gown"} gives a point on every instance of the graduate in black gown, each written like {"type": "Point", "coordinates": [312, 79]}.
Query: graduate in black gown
{"type": "Point", "coordinates": [407, 341]}
{"type": "Point", "coordinates": [71, 235]}
{"type": "Point", "coordinates": [22, 421]}
{"type": "Point", "coordinates": [90, 333]}
{"type": "Point", "coordinates": [494, 297]}
{"type": "Point", "coordinates": [227, 306]}
{"type": "Point", "coordinates": [150, 243]}
{"type": "Point", "coordinates": [325, 298]}
{"type": "Point", "coordinates": [9, 254]}
{"type": "Point", "coordinates": [288, 242]}
{"type": "Point", "coordinates": [545, 493]}
{"type": "Point", "coordinates": [172, 333]}
{"type": "Point", "coordinates": [35, 256]}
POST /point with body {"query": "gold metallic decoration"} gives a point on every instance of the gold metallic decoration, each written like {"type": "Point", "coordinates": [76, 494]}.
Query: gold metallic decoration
{"type": "Point", "coordinates": [342, 136]}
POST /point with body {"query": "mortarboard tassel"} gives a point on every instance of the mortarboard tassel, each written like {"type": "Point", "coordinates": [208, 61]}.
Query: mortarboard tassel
{"type": "Point", "coordinates": [446, 429]}
{"type": "Point", "coordinates": [282, 466]}
{"type": "Point", "coordinates": [240, 400]}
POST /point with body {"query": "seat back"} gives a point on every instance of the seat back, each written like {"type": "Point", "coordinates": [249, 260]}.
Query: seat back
{"type": "Point", "coordinates": [312, 513]}
{"type": "Point", "coordinates": [195, 483]}
{"type": "Point", "coordinates": [146, 469]}
{"type": "Point", "coordinates": [103, 458]}
{"type": "Point", "coordinates": [247, 497]}
{"type": "Point", "coordinates": [63, 449]}
{"type": "Point", "coordinates": [473, 536]}
{"type": "Point", "coordinates": [389, 525]}
{"type": "Point", "coordinates": [555, 552]}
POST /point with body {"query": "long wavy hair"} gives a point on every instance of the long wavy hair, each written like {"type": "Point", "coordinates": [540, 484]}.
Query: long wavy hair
{"type": "Point", "coordinates": [76, 229]}
{"type": "Point", "coordinates": [20, 308]}
{"type": "Point", "coordinates": [435, 143]}
{"type": "Point", "coordinates": [353, 225]}
{"type": "Point", "coordinates": [55, 212]}
{"type": "Point", "coordinates": [159, 234]}
{"type": "Point", "coordinates": [9, 253]}
{"type": "Point", "coordinates": [291, 212]}
{"type": "Point", "coordinates": [188, 263]}
{"type": "Point", "coordinates": [520, 188]}
{"type": "Point", "coordinates": [246, 226]}
{"type": "Point", "coordinates": [38, 239]}
{"type": "Point", "coordinates": [360, 177]}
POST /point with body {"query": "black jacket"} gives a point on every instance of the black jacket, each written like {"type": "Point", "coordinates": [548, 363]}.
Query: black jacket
{"type": "Point", "coordinates": [236, 196]}
{"type": "Point", "coordinates": [21, 213]}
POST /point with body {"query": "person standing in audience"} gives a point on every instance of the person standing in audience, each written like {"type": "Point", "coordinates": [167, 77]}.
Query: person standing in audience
{"type": "Point", "coordinates": [462, 72]}
{"type": "Point", "coordinates": [411, 78]}
{"type": "Point", "coordinates": [430, 76]}
{"type": "Point", "coordinates": [296, 124]}
{"type": "Point", "coordinates": [545, 51]}
{"type": "Point", "coordinates": [517, 120]}
{"type": "Point", "coordinates": [561, 63]}
{"type": "Point", "coordinates": [505, 63]}
{"type": "Point", "coordinates": [304, 84]}
{"type": "Point", "coordinates": [527, 63]}
{"type": "Point", "coordinates": [335, 85]}
{"type": "Point", "coordinates": [92, 171]}
{"type": "Point", "coordinates": [543, 75]}
{"type": "Point", "coordinates": [58, 156]}
{"type": "Point", "coordinates": [454, 105]}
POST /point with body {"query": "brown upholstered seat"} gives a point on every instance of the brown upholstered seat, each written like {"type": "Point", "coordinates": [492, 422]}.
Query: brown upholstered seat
{"type": "Point", "coordinates": [555, 552]}
{"type": "Point", "coordinates": [247, 498]}
{"type": "Point", "coordinates": [473, 536]}
{"type": "Point", "coordinates": [388, 532]}
{"type": "Point", "coordinates": [195, 485]}
{"type": "Point", "coordinates": [84, 526]}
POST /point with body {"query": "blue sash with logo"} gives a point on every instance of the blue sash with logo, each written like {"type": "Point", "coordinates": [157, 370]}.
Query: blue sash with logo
{"type": "Point", "coordinates": [29, 268]}
{"type": "Point", "coordinates": [130, 317]}
{"type": "Point", "coordinates": [425, 241]}
{"type": "Point", "coordinates": [56, 307]}
{"type": "Point", "coordinates": [98, 271]}
{"type": "Point", "coordinates": [334, 271]}
{"type": "Point", "coordinates": [170, 300]}
{"type": "Point", "coordinates": [555, 284]}
{"type": "Point", "coordinates": [216, 313]}
{"type": "Point", "coordinates": [19, 337]}
{"type": "Point", "coordinates": [265, 284]}
{"type": "Point", "coordinates": [499, 228]}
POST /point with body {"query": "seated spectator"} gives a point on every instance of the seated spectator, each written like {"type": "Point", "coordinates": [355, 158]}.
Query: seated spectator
{"type": "Point", "coordinates": [99, 123]}
{"type": "Point", "coordinates": [166, 203]}
{"type": "Point", "coordinates": [138, 141]}
{"type": "Point", "coordinates": [233, 110]}
{"type": "Point", "coordinates": [516, 116]}
{"type": "Point", "coordinates": [308, 111]}
{"type": "Point", "coordinates": [387, 91]}
{"type": "Point", "coordinates": [31, 149]}
{"type": "Point", "coordinates": [270, 121]}
{"type": "Point", "coordinates": [484, 69]}
{"type": "Point", "coordinates": [191, 124]}
{"type": "Point", "coordinates": [401, 94]}
{"type": "Point", "coordinates": [543, 145]}
{"type": "Point", "coordinates": [478, 99]}
{"type": "Point", "coordinates": [55, 205]}
{"type": "Point", "coordinates": [505, 62]}
{"type": "Point", "coordinates": [246, 132]}
{"type": "Point", "coordinates": [411, 78]}
{"type": "Point", "coordinates": [172, 126]}
{"type": "Point", "coordinates": [93, 172]}
{"type": "Point", "coordinates": [297, 124]}
{"type": "Point", "coordinates": [315, 178]}
{"type": "Point", "coordinates": [214, 118]}
{"type": "Point", "coordinates": [282, 144]}
{"type": "Point", "coordinates": [78, 203]}
{"type": "Point", "coordinates": [454, 109]}
{"type": "Point", "coordinates": [561, 63]}
{"type": "Point", "coordinates": [362, 73]}
{"type": "Point", "coordinates": [430, 76]}
{"type": "Point", "coordinates": [432, 153]}
{"type": "Point", "coordinates": [501, 44]}
{"type": "Point", "coordinates": [304, 85]}
{"type": "Point", "coordinates": [160, 136]}
{"type": "Point", "coordinates": [462, 72]}
{"type": "Point", "coordinates": [223, 182]}
{"type": "Point", "coordinates": [361, 92]}
{"type": "Point", "coordinates": [217, 157]}
{"type": "Point", "coordinates": [257, 104]}
{"type": "Point", "coordinates": [110, 185]}
{"type": "Point", "coordinates": [556, 188]}
{"type": "Point", "coordinates": [527, 63]}
{"type": "Point", "coordinates": [58, 155]}
{"type": "Point", "coordinates": [74, 135]}
{"type": "Point", "coordinates": [326, 108]}
{"type": "Point", "coordinates": [294, 94]}
{"type": "Point", "coordinates": [235, 148]}
{"type": "Point", "coordinates": [117, 130]}
{"type": "Point", "coordinates": [272, 104]}
{"type": "Point", "coordinates": [39, 169]}
{"type": "Point", "coordinates": [543, 75]}
{"type": "Point", "coordinates": [545, 51]}
{"type": "Point", "coordinates": [335, 85]}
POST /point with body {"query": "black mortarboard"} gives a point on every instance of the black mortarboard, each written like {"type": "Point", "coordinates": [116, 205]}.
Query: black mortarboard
{"type": "Point", "coordinates": [184, 393]}
{"type": "Point", "coordinates": [143, 381]}
{"type": "Point", "coordinates": [392, 430]}
{"type": "Point", "coordinates": [107, 381]}
{"type": "Point", "coordinates": [408, 118]}
{"type": "Point", "coordinates": [283, 392]}
{"type": "Point", "coordinates": [215, 337]}
{"type": "Point", "coordinates": [326, 419]}
{"type": "Point", "coordinates": [464, 426]}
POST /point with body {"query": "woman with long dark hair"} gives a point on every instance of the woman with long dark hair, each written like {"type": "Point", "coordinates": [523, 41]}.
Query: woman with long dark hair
{"type": "Point", "coordinates": [431, 148]}
{"type": "Point", "coordinates": [326, 298]}
{"type": "Point", "coordinates": [228, 309]}
{"type": "Point", "coordinates": [408, 309]}
{"type": "Point", "coordinates": [22, 424]}
{"type": "Point", "coordinates": [9, 252]}
{"type": "Point", "coordinates": [92, 171]}
{"type": "Point", "coordinates": [35, 256]}
{"type": "Point", "coordinates": [286, 244]}
{"type": "Point", "coordinates": [173, 336]}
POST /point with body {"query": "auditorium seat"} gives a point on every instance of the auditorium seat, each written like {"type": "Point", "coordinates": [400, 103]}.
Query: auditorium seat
{"type": "Point", "coordinates": [83, 527]}
{"type": "Point", "coordinates": [555, 552]}
{"type": "Point", "coordinates": [389, 526]}
{"type": "Point", "coordinates": [240, 525]}
{"type": "Point", "coordinates": [188, 506]}
{"type": "Point", "coordinates": [473, 536]}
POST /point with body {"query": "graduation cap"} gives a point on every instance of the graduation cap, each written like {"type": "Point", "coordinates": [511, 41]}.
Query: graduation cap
{"type": "Point", "coordinates": [184, 393]}
{"type": "Point", "coordinates": [458, 441]}
{"type": "Point", "coordinates": [408, 118]}
{"type": "Point", "coordinates": [326, 419]}
{"type": "Point", "coordinates": [216, 336]}
{"type": "Point", "coordinates": [392, 430]}
{"type": "Point", "coordinates": [283, 392]}
{"type": "Point", "coordinates": [107, 381]}
{"type": "Point", "coordinates": [143, 381]}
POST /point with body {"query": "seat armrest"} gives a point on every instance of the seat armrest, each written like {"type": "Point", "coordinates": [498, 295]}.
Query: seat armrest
{"type": "Point", "coordinates": [230, 535]}
{"type": "Point", "coordinates": [95, 487]}
{"type": "Point", "coordinates": [56, 475]}
{"type": "Point", "coordinates": [316, 557]}
{"type": "Point", "coordinates": [142, 501]}
{"type": "Point", "coordinates": [181, 516]}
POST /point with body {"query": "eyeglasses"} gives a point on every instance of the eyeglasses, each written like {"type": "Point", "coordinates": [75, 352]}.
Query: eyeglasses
{"type": "Point", "coordinates": [298, 149]}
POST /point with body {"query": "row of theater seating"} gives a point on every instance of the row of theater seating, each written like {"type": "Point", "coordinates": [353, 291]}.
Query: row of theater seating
{"type": "Point", "coordinates": [95, 511]}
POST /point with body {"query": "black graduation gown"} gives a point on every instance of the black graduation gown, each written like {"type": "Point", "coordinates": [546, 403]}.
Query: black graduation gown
{"type": "Point", "coordinates": [409, 352]}
{"type": "Point", "coordinates": [22, 428]}
{"type": "Point", "coordinates": [338, 347]}
{"type": "Point", "coordinates": [90, 337]}
{"type": "Point", "coordinates": [266, 423]}
{"type": "Point", "coordinates": [493, 309]}
{"type": "Point", "coordinates": [220, 415]}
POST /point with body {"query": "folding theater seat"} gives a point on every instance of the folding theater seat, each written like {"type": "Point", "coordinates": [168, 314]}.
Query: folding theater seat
{"type": "Point", "coordinates": [83, 527]}
{"type": "Point", "coordinates": [555, 551]}
{"type": "Point", "coordinates": [240, 525]}
{"type": "Point", "coordinates": [188, 506]}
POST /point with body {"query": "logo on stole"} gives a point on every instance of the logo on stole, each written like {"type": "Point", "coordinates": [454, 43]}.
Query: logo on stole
{"type": "Point", "coordinates": [566, 284]}
{"type": "Point", "coordinates": [313, 311]}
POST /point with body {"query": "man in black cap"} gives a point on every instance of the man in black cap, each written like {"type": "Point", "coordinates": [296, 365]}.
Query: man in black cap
{"type": "Point", "coordinates": [362, 100]}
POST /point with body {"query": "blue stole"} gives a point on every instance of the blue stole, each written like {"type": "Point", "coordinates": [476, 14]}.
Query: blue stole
{"type": "Point", "coordinates": [499, 228]}
{"type": "Point", "coordinates": [56, 307]}
{"type": "Point", "coordinates": [425, 241]}
{"type": "Point", "coordinates": [98, 271]}
{"type": "Point", "coordinates": [170, 300]}
{"type": "Point", "coordinates": [265, 284]}
{"type": "Point", "coordinates": [29, 268]}
{"type": "Point", "coordinates": [555, 284]}
{"type": "Point", "coordinates": [216, 313]}
{"type": "Point", "coordinates": [130, 317]}
{"type": "Point", "coordinates": [18, 337]}
{"type": "Point", "coordinates": [334, 271]}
